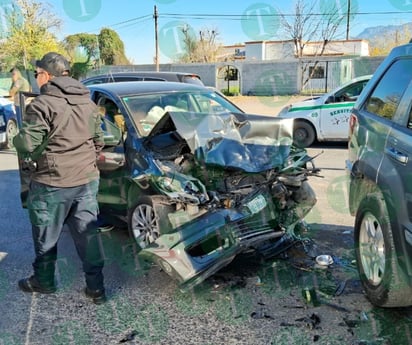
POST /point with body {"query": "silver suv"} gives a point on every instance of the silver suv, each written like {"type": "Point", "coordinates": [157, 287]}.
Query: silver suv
{"type": "Point", "coordinates": [380, 188]}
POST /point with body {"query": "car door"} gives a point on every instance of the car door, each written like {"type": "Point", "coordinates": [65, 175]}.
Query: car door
{"type": "Point", "coordinates": [398, 156]}
{"type": "Point", "coordinates": [335, 113]}
{"type": "Point", "coordinates": [390, 104]}
{"type": "Point", "coordinates": [112, 196]}
{"type": "Point", "coordinates": [25, 174]}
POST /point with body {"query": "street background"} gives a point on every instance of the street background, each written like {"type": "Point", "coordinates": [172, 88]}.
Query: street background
{"type": "Point", "coordinates": [248, 302]}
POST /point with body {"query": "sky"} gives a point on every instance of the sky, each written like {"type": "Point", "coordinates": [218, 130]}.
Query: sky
{"type": "Point", "coordinates": [236, 21]}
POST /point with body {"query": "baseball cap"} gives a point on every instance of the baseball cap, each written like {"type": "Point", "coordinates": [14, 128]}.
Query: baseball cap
{"type": "Point", "coordinates": [54, 63]}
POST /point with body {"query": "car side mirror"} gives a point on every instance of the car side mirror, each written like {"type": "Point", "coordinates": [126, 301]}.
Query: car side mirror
{"type": "Point", "coordinates": [330, 99]}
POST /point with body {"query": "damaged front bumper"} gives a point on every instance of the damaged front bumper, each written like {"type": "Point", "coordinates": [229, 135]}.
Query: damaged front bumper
{"type": "Point", "coordinates": [198, 248]}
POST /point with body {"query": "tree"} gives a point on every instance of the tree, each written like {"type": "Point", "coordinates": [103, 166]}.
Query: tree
{"type": "Point", "coordinates": [106, 48]}
{"type": "Point", "coordinates": [307, 26]}
{"type": "Point", "coordinates": [202, 49]}
{"type": "Point", "coordinates": [83, 50]}
{"type": "Point", "coordinates": [30, 26]}
{"type": "Point", "coordinates": [111, 48]}
{"type": "Point", "coordinates": [87, 42]}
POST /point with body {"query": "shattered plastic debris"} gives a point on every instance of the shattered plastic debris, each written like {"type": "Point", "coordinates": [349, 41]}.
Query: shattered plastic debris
{"type": "Point", "coordinates": [324, 260]}
{"type": "Point", "coordinates": [310, 296]}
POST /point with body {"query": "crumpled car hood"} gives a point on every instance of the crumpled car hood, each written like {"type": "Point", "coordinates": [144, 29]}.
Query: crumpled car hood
{"type": "Point", "coordinates": [252, 143]}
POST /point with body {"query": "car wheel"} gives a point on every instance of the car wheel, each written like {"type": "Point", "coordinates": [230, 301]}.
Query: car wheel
{"type": "Point", "coordinates": [382, 278]}
{"type": "Point", "coordinates": [143, 222]}
{"type": "Point", "coordinates": [303, 134]}
{"type": "Point", "coordinates": [11, 131]}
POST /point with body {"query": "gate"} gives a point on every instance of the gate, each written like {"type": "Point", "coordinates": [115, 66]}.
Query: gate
{"type": "Point", "coordinates": [323, 76]}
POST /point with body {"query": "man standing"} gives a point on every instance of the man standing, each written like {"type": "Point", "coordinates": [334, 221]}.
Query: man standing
{"type": "Point", "coordinates": [65, 126]}
{"type": "Point", "coordinates": [18, 83]}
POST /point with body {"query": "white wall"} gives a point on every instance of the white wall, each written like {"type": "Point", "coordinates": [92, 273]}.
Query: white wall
{"type": "Point", "coordinates": [255, 51]}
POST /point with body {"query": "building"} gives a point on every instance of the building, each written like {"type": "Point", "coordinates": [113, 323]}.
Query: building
{"type": "Point", "coordinates": [280, 50]}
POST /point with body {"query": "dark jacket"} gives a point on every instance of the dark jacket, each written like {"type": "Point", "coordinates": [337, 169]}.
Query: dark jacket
{"type": "Point", "coordinates": [69, 159]}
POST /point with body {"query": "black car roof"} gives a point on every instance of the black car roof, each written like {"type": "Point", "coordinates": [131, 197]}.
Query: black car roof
{"type": "Point", "coordinates": [140, 87]}
{"type": "Point", "coordinates": [144, 73]}
{"type": "Point", "coordinates": [171, 76]}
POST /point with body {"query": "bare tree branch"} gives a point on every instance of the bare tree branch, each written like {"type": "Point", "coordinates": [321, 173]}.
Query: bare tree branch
{"type": "Point", "coordinates": [306, 27]}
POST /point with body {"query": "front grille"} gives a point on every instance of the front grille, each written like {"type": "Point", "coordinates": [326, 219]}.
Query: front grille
{"type": "Point", "coordinates": [252, 229]}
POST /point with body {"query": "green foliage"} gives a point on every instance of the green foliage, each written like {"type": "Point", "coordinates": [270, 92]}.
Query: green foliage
{"type": "Point", "coordinates": [29, 35]}
{"type": "Point", "coordinates": [233, 91]}
{"type": "Point", "coordinates": [112, 50]}
{"type": "Point", "coordinates": [87, 42]}
{"type": "Point", "coordinates": [79, 69]}
{"type": "Point", "coordinates": [89, 50]}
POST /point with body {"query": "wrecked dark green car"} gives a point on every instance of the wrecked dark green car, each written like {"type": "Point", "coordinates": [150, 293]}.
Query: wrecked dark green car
{"type": "Point", "coordinates": [195, 179]}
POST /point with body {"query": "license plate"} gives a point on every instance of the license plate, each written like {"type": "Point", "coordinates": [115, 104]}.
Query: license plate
{"type": "Point", "coordinates": [257, 204]}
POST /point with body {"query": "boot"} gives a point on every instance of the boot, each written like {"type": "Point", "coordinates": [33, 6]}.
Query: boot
{"type": "Point", "coordinates": [31, 285]}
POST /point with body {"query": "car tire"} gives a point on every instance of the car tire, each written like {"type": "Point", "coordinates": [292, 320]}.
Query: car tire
{"type": "Point", "coordinates": [143, 222]}
{"type": "Point", "coordinates": [384, 282]}
{"type": "Point", "coordinates": [11, 131]}
{"type": "Point", "coordinates": [303, 134]}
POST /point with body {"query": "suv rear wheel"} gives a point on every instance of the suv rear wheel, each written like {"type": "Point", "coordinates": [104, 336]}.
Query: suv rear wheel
{"type": "Point", "coordinates": [383, 279]}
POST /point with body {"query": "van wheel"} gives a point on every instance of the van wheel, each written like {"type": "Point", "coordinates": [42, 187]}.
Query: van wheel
{"type": "Point", "coordinates": [384, 281]}
{"type": "Point", "coordinates": [11, 132]}
{"type": "Point", "coordinates": [143, 222]}
{"type": "Point", "coordinates": [303, 134]}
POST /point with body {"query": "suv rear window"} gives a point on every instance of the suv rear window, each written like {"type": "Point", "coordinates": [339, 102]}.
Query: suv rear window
{"type": "Point", "coordinates": [191, 79]}
{"type": "Point", "coordinates": [385, 98]}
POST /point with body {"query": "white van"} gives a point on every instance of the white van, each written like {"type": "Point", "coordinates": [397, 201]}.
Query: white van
{"type": "Point", "coordinates": [325, 118]}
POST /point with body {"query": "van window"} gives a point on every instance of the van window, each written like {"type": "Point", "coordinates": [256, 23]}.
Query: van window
{"type": "Point", "coordinates": [386, 96]}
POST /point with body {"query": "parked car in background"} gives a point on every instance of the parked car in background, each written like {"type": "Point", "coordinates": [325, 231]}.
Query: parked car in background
{"type": "Point", "coordinates": [380, 189]}
{"type": "Point", "coordinates": [195, 180]}
{"type": "Point", "coordinates": [180, 77]}
{"type": "Point", "coordinates": [324, 118]}
{"type": "Point", "coordinates": [8, 123]}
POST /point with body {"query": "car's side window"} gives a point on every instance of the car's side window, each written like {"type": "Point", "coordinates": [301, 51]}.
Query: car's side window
{"type": "Point", "coordinates": [94, 82]}
{"type": "Point", "coordinates": [386, 96]}
{"type": "Point", "coordinates": [350, 93]}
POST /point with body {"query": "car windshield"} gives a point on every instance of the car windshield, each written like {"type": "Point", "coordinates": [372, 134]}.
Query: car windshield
{"type": "Point", "coordinates": [147, 109]}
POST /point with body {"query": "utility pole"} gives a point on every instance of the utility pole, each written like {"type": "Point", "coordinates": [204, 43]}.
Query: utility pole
{"type": "Point", "coordinates": [156, 39]}
{"type": "Point", "coordinates": [347, 21]}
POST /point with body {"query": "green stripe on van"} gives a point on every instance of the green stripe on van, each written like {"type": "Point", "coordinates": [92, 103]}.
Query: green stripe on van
{"type": "Point", "coordinates": [323, 106]}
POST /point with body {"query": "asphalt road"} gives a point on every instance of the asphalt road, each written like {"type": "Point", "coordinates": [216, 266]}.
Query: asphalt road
{"type": "Point", "coordinates": [249, 302]}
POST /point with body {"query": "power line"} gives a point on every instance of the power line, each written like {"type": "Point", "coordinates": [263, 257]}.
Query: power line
{"type": "Point", "coordinates": [128, 22]}
{"type": "Point", "coordinates": [201, 16]}
{"type": "Point", "coordinates": [242, 16]}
